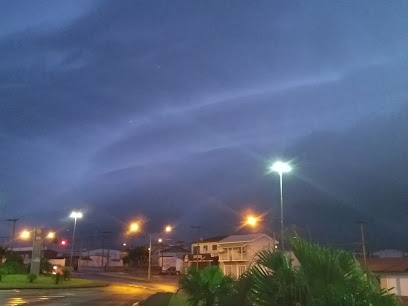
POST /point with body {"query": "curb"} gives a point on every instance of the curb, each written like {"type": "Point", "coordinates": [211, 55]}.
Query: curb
{"type": "Point", "coordinates": [139, 279]}
{"type": "Point", "coordinates": [96, 285]}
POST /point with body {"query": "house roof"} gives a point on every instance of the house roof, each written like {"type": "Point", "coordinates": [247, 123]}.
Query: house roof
{"type": "Point", "coordinates": [391, 264]}
{"type": "Point", "coordinates": [175, 249]}
{"type": "Point", "coordinates": [211, 239]}
{"type": "Point", "coordinates": [243, 238]}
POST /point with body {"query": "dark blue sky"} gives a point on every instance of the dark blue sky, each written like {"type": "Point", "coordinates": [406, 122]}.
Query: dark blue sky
{"type": "Point", "coordinates": [173, 110]}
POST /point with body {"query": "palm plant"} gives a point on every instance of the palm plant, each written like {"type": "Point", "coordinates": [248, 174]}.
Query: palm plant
{"type": "Point", "coordinates": [324, 276]}
{"type": "Point", "coordinates": [208, 285]}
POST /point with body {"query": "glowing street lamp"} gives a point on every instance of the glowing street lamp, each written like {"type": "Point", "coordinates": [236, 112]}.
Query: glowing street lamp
{"type": "Point", "coordinates": [252, 221]}
{"type": "Point", "coordinates": [281, 167]}
{"type": "Point", "coordinates": [50, 235]}
{"type": "Point", "coordinates": [25, 234]}
{"type": "Point", "coordinates": [160, 240]}
{"type": "Point", "coordinates": [76, 215]}
{"type": "Point", "coordinates": [134, 227]}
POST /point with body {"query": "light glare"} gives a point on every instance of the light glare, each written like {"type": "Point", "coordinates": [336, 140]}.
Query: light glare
{"type": "Point", "coordinates": [252, 221]}
{"type": "Point", "coordinates": [168, 229]}
{"type": "Point", "coordinates": [25, 234]}
{"type": "Point", "coordinates": [134, 227]}
{"type": "Point", "coordinates": [51, 235]}
{"type": "Point", "coordinates": [281, 167]}
{"type": "Point", "coordinates": [76, 215]}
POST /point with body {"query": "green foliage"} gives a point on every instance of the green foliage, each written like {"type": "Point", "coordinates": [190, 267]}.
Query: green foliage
{"type": "Point", "coordinates": [31, 277]}
{"type": "Point", "coordinates": [325, 276]}
{"type": "Point", "coordinates": [57, 278]}
{"type": "Point", "coordinates": [208, 285]}
{"type": "Point", "coordinates": [13, 265]}
{"type": "Point", "coordinates": [239, 296]}
{"type": "Point", "coordinates": [3, 252]}
{"type": "Point", "coordinates": [66, 274]}
{"type": "Point", "coordinates": [137, 255]}
{"type": "Point", "coordinates": [45, 266]}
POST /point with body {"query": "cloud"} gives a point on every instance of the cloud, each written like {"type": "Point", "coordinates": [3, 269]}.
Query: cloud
{"type": "Point", "coordinates": [179, 106]}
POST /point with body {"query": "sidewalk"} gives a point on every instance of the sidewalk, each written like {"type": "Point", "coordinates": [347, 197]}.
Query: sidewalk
{"type": "Point", "coordinates": [127, 275]}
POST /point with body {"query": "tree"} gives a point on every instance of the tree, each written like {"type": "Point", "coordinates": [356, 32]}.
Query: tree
{"type": "Point", "coordinates": [208, 285]}
{"type": "Point", "coordinates": [3, 252]}
{"type": "Point", "coordinates": [325, 276]}
{"type": "Point", "coordinates": [137, 255]}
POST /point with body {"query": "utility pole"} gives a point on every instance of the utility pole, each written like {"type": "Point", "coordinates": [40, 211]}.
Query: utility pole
{"type": "Point", "coordinates": [103, 246]}
{"type": "Point", "coordinates": [13, 233]}
{"type": "Point", "coordinates": [198, 228]}
{"type": "Point", "coordinates": [362, 223]}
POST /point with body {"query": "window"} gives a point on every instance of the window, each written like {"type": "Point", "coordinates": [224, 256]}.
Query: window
{"type": "Point", "coordinates": [214, 247]}
{"type": "Point", "coordinates": [196, 250]}
{"type": "Point", "coordinates": [241, 270]}
{"type": "Point", "coordinates": [228, 270]}
{"type": "Point", "coordinates": [205, 248]}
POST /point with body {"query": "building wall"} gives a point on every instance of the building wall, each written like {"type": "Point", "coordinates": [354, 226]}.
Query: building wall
{"type": "Point", "coordinates": [397, 282]}
{"type": "Point", "coordinates": [209, 246]}
{"type": "Point", "coordinates": [57, 262]}
{"type": "Point", "coordinates": [236, 268]}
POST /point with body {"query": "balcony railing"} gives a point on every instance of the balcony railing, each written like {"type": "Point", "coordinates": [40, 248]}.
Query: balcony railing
{"type": "Point", "coordinates": [232, 256]}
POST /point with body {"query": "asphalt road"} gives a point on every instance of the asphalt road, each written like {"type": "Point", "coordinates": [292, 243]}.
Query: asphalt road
{"type": "Point", "coordinates": [120, 292]}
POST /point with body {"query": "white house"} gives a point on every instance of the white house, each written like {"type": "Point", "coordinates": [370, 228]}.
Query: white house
{"type": "Point", "coordinates": [206, 246]}
{"type": "Point", "coordinates": [237, 252]}
{"type": "Point", "coordinates": [393, 273]}
{"type": "Point", "coordinates": [204, 252]}
{"type": "Point", "coordinates": [102, 258]}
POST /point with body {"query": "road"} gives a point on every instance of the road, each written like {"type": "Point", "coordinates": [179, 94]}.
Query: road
{"type": "Point", "coordinates": [120, 292]}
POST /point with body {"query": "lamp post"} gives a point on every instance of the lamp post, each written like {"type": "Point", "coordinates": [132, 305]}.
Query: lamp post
{"type": "Point", "coordinates": [38, 241]}
{"type": "Point", "coordinates": [76, 215]}
{"type": "Point", "coordinates": [281, 167]}
{"type": "Point", "coordinates": [134, 227]}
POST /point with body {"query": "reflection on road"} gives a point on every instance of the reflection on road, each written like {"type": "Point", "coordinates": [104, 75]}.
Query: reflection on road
{"type": "Point", "coordinates": [114, 294]}
{"type": "Point", "coordinates": [16, 301]}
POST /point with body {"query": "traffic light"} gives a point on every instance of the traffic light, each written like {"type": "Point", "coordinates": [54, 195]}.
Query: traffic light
{"type": "Point", "coordinates": [63, 242]}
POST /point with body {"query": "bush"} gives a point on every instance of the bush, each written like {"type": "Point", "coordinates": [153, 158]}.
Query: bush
{"type": "Point", "coordinates": [13, 265]}
{"type": "Point", "coordinates": [66, 274]}
{"type": "Point", "coordinates": [45, 266]}
{"type": "Point", "coordinates": [57, 278]}
{"type": "Point", "coordinates": [31, 277]}
{"type": "Point", "coordinates": [209, 285]}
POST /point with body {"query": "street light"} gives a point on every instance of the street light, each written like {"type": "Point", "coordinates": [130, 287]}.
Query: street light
{"type": "Point", "coordinates": [25, 234]}
{"type": "Point", "coordinates": [252, 221]}
{"type": "Point", "coordinates": [281, 167]}
{"type": "Point", "coordinates": [76, 215]}
{"type": "Point", "coordinates": [50, 235]}
{"type": "Point", "coordinates": [134, 227]}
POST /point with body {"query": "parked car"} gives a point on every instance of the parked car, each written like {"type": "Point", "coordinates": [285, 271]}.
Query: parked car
{"type": "Point", "coordinates": [170, 271]}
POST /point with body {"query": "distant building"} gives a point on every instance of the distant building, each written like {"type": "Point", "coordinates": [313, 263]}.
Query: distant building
{"type": "Point", "coordinates": [101, 258]}
{"type": "Point", "coordinates": [26, 253]}
{"type": "Point", "coordinates": [238, 252]}
{"type": "Point", "coordinates": [389, 253]}
{"type": "Point", "coordinates": [393, 273]}
{"type": "Point", "coordinates": [233, 254]}
{"type": "Point", "coordinates": [203, 252]}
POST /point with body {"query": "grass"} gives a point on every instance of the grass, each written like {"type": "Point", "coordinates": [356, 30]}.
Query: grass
{"type": "Point", "coordinates": [19, 281]}
{"type": "Point", "coordinates": [158, 299]}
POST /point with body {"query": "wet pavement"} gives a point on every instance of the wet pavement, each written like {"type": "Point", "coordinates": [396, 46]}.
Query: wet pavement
{"type": "Point", "coordinates": [121, 292]}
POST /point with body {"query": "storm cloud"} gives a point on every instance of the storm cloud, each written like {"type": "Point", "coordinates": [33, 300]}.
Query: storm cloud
{"type": "Point", "coordinates": [174, 109]}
